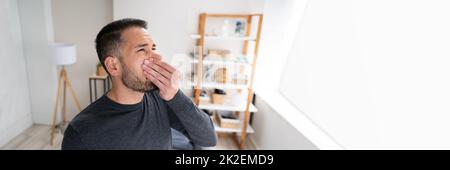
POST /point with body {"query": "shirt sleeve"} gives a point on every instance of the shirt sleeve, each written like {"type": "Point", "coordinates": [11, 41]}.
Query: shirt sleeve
{"type": "Point", "coordinates": [187, 118]}
{"type": "Point", "coordinates": [72, 140]}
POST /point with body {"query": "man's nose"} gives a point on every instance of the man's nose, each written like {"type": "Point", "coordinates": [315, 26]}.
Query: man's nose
{"type": "Point", "coordinates": [155, 56]}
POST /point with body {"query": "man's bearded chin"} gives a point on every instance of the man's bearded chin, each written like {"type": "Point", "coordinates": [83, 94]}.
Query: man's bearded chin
{"type": "Point", "coordinates": [132, 81]}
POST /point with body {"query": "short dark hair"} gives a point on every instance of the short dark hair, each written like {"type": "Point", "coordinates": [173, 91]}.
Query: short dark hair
{"type": "Point", "coordinates": [109, 38]}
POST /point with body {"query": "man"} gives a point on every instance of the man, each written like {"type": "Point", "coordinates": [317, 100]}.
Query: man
{"type": "Point", "coordinates": [144, 102]}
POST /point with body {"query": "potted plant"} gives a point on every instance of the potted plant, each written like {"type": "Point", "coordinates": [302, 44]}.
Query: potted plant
{"type": "Point", "coordinates": [100, 70]}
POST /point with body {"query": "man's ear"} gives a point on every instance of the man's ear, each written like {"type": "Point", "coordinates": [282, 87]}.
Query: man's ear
{"type": "Point", "coordinates": [112, 65]}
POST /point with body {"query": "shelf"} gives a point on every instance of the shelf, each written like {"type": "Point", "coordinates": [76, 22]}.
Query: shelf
{"type": "Point", "coordinates": [231, 130]}
{"type": "Point", "coordinates": [209, 37]}
{"type": "Point", "coordinates": [219, 85]}
{"type": "Point", "coordinates": [94, 76]}
{"type": "Point", "coordinates": [225, 62]}
{"type": "Point", "coordinates": [250, 44]}
{"type": "Point", "coordinates": [225, 107]}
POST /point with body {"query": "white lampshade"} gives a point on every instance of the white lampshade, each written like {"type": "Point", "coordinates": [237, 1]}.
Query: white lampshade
{"type": "Point", "coordinates": [63, 53]}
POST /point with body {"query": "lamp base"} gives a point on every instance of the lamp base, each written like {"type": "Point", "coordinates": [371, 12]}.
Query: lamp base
{"type": "Point", "coordinates": [64, 83]}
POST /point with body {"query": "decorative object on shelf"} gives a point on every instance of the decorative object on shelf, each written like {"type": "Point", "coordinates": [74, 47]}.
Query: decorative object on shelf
{"type": "Point", "coordinates": [240, 28]}
{"type": "Point", "coordinates": [220, 91]}
{"type": "Point", "coordinates": [218, 97]}
{"type": "Point", "coordinates": [218, 52]}
{"type": "Point", "coordinates": [100, 70]}
{"type": "Point", "coordinates": [227, 119]}
{"type": "Point", "coordinates": [241, 59]}
{"type": "Point", "coordinates": [63, 54]}
{"type": "Point", "coordinates": [239, 81]}
{"type": "Point", "coordinates": [209, 73]}
{"type": "Point", "coordinates": [221, 75]}
{"type": "Point", "coordinates": [204, 98]}
{"type": "Point", "coordinates": [239, 77]}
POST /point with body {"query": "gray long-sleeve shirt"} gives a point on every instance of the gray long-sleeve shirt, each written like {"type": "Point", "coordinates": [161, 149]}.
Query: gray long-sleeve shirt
{"type": "Point", "coordinates": [106, 124]}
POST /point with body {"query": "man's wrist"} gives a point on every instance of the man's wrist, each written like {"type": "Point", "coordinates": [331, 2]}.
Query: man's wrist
{"type": "Point", "coordinates": [180, 102]}
{"type": "Point", "coordinates": [173, 96]}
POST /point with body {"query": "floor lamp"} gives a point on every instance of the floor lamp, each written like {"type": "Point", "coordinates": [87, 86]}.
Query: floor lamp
{"type": "Point", "coordinates": [63, 54]}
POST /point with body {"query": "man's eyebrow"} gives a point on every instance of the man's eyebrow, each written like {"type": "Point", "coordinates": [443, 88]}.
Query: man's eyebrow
{"type": "Point", "coordinates": [141, 45]}
{"type": "Point", "coordinates": [144, 45]}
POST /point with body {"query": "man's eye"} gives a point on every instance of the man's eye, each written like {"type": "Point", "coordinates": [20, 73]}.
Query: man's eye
{"type": "Point", "coordinates": [141, 50]}
{"type": "Point", "coordinates": [153, 48]}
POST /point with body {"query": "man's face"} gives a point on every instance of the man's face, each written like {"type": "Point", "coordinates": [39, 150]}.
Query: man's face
{"type": "Point", "coordinates": [136, 46]}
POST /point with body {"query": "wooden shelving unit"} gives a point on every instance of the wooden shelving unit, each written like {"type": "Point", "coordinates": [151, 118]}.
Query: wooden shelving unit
{"type": "Point", "coordinates": [201, 37]}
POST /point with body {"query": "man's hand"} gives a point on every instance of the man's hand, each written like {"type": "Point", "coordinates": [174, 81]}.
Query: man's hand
{"type": "Point", "coordinates": [164, 76]}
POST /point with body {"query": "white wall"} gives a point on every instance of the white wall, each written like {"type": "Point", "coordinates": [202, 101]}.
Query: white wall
{"type": "Point", "coordinates": [374, 74]}
{"type": "Point", "coordinates": [171, 22]}
{"type": "Point", "coordinates": [280, 24]}
{"type": "Point", "coordinates": [274, 131]}
{"type": "Point", "coordinates": [78, 22]}
{"type": "Point", "coordinates": [15, 112]}
{"type": "Point", "coordinates": [37, 31]}
{"type": "Point", "coordinates": [277, 124]}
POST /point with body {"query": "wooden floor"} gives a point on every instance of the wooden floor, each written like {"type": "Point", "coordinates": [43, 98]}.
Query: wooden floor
{"type": "Point", "coordinates": [37, 137]}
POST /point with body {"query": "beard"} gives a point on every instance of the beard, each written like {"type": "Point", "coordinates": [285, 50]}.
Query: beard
{"type": "Point", "coordinates": [131, 80]}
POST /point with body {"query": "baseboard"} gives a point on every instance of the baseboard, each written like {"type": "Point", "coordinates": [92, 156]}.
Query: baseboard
{"type": "Point", "coordinates": [252, 142]}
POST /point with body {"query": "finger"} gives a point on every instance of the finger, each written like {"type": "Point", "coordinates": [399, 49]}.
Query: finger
{"type": "Point", "coordinates": [148, 75]}
{"type": "Point", "coordinates": [146, 67]}
{"type": "Point", "coordinates": [160, 77]}
{"type": "Point", "coordinates": [165, 66]}
{"type": "Point", "coordinates": [149, 62]}
{"type": "Point", "coordinates": [147, 71]}
{"type": "Point", "coordinates": [162, 71]}
{"type": "Point", "coordinates": [155, 81]}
